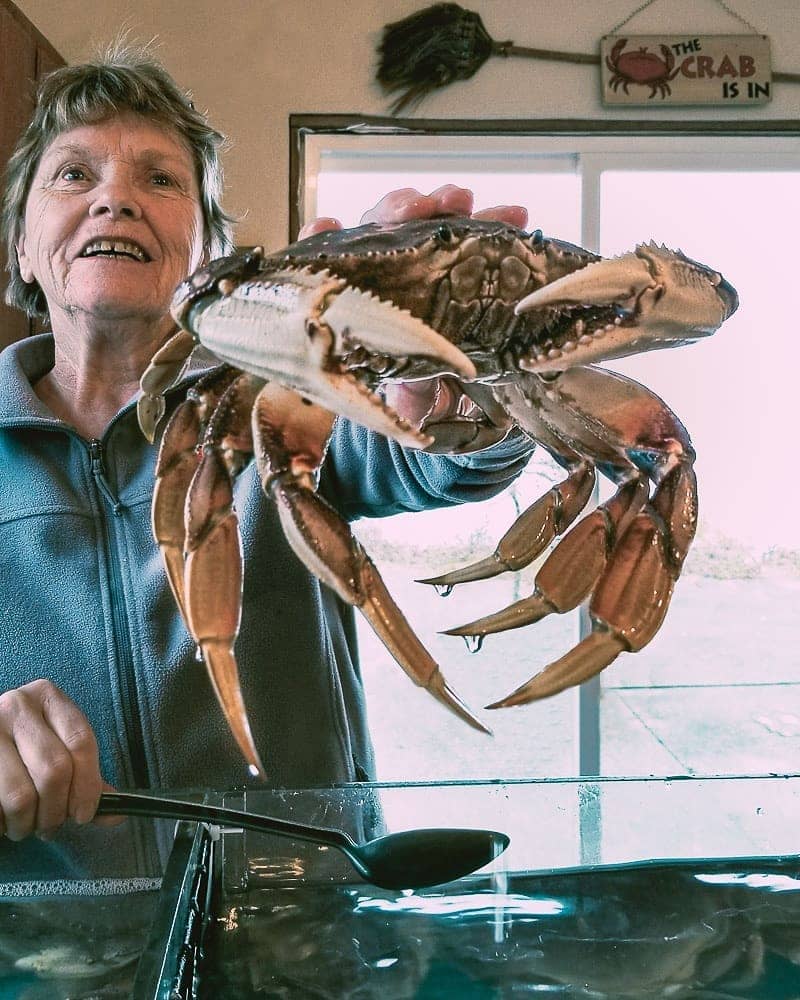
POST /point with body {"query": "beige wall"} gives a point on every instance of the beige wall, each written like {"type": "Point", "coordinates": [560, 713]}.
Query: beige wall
{"type": "Point", "coordinates": [253, 63]}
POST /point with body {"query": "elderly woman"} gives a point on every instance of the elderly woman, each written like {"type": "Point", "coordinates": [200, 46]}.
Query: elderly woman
{"type": "Point", "coordinates": [113, 196]}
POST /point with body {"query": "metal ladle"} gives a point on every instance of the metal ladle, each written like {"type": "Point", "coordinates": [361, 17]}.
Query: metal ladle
{"type": "Point", "coordinates": [412, 859]}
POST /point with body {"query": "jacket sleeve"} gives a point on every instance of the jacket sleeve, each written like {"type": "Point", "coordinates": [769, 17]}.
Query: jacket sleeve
{"type": "Point", "coordinates": [367, 475]}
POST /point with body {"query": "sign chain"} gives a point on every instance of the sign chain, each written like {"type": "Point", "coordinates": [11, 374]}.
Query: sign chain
{"type": "Point", "coordinates": [726, 7]}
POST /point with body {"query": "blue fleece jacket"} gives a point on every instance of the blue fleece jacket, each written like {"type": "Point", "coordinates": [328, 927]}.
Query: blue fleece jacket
{"type": "Point", "coordinates": [84, 601]}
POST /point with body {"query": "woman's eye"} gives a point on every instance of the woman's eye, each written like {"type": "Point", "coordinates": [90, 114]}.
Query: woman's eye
{"type": "Point", "coordinates": [73, 174]}
{"type": "Point", "coordinates": [162, 180]}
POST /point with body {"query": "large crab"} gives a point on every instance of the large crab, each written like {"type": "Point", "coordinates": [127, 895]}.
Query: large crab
{"type": "Point", "coordinates": [517, 319]}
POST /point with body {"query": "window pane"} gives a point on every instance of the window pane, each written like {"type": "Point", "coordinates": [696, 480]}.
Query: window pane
{"type": "Point", "coordinates": [716, 690]}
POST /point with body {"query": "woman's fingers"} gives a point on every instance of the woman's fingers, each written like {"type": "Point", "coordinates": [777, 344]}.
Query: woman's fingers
{"type": "Point", "coordinates": [406, 204]}
{"type": "Point", "coordinates": [321, 225]}
{"type": "Point", "coordinates": [49, 766]}
{"type": "Point", "coordinates": [512, 215]}
{"type": "Point", "coordinates": [400, 206]}
{"type": "Point", "coordinates": [453, 200]}
{"type": "Point", "coordinates": [17, 793]}
{"type": "Point", "coordinates": [449, 199]}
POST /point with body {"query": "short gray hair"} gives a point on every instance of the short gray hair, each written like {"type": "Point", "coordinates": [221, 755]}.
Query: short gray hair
{"type": "Point", "coordinates": [126, 80]}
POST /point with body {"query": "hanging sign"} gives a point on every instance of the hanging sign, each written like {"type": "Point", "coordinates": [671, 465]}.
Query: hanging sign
{"type": "Point", "coordinates": [685, 69]}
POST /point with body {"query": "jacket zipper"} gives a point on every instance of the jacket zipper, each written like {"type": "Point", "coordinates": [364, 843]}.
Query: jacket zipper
{"type": "Point", "coordinates": [124, 652]}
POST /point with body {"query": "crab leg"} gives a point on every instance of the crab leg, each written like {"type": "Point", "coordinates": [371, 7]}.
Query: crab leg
{"type": "Point", "coordinates": [547, 517]}
{"type": "Point", "coordinates": [531, 533]}
{"type": "Point", "coordinates": [572, 570]}
{"type": "Point", "coordinates": [212, 599]}
{"type": "Point", "coordinates": [290, 436]}
{"type": "Point", "coordinates": [570, 573]}
{"type": "Point", "coordinates": [176, 465]}
{"type": "Point", "coordinates": [647, 548]}
{"type": "Point", "coordinates": [632, 598]}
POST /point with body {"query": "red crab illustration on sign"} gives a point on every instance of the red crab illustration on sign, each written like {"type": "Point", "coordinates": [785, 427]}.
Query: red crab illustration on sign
{"type": "Point", "coordinates": [642, 68]}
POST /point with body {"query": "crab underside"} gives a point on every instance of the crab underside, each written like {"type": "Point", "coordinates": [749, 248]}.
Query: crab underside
{"type": "Point", "coordinates": [517, 321]}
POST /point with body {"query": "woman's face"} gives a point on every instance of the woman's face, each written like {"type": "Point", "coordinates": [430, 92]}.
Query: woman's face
{"type": "Point", "coordinates": [112, 222]}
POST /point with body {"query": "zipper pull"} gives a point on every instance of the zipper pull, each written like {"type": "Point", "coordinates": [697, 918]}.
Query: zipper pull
{"type": "Point", "coordinates": [99, 473]}
{"type": "Point", "coordinates": [96, 454]}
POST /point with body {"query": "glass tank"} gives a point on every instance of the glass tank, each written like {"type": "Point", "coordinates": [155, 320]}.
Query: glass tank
{"type": "Point", "coordinates": [610, 888]}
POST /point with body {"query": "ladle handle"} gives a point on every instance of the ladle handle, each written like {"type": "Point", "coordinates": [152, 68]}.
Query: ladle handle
{"type": "Point", "coordinates": [133, 804]}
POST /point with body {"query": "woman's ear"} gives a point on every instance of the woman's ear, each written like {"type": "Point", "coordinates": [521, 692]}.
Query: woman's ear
{"type": "Point", "coordinates": [25, 269]}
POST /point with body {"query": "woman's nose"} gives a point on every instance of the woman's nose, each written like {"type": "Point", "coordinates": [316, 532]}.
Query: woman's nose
{"type": "Point", "coordinates": [115, 200]}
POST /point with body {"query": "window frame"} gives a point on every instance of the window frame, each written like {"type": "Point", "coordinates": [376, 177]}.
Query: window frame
{"type": "Point", "coordinates": [304, 130]}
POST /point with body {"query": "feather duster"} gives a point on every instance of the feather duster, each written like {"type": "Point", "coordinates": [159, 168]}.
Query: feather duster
{"type": "Point", "coordinates": [440, 44]}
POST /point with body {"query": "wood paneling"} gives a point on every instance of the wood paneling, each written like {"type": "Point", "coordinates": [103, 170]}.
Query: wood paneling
{"type": "Point", "coordinates": [25, 56]}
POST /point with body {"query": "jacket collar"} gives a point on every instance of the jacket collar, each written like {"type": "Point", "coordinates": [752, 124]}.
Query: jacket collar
{"type": "Point", "coordinates": [21, 365]}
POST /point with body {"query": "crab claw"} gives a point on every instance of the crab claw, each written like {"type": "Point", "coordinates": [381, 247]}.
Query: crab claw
{"type": "Point", "coordinates": [660, 298]}
{"type": "Point", "coordinates": [383, 328]}
{"type": "Point", "coordinates": [299, 328]}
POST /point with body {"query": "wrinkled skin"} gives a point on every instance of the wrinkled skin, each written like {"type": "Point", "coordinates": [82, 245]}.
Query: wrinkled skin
{"type": "Point", "coordinates": [515, 321]}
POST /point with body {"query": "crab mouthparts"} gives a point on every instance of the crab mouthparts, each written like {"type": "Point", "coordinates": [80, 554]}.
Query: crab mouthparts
{"type": "Point", "coordinates": [367, 366]}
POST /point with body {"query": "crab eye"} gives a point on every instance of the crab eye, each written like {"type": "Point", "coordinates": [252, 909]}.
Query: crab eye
{"type": "Point", "coordinates": [444, 234]}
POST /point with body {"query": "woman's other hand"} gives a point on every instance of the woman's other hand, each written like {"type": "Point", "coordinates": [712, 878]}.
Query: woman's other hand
{"type": "Point", "coordinates": [406, 204]}
{"type": "Point", "coordinates": [49, 765]}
